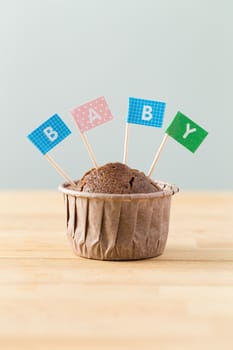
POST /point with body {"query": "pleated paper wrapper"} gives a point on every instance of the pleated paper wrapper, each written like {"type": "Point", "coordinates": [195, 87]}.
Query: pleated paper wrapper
{"type": "Point", "coordinates": [117, 226]}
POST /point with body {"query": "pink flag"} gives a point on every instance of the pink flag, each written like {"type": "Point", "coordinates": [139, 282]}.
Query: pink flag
{"type": "Point", "coordinates": [91, 114]}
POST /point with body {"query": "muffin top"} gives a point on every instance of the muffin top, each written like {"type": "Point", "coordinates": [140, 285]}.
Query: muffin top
{"type": "Point", "coordinates": [116, 178]}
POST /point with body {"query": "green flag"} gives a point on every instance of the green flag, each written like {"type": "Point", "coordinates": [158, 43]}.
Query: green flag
{"type": "Point", "coordinates": [186, 132]}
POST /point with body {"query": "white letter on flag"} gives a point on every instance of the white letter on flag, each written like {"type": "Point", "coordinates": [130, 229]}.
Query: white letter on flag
{"type": "Point", "coordinates": [93, 115]}
{"type": "Point", "coordinates": [188, 131]}
{"type": "Point", "coordinates": [50, 133]}
{"type": "Point", "coordinates": [147, 113]}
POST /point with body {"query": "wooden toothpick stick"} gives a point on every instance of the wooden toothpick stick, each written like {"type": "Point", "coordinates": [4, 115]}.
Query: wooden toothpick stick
{"type": "Point", "coordinates": [59, 169]}
{"type": "Point", "coordinates": [89, 149]}
{"type": "Point", "coordinates": [125, 157]}
{"type": "Point", "coordinates": [156, 158]}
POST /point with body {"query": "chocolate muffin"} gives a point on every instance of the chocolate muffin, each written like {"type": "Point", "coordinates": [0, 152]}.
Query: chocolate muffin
{"type": "Point", "coordinates": [116, 178]}
{"type": "Point", "coordinates": [117, 213]}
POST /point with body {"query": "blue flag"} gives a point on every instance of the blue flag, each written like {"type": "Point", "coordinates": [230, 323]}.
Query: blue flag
{"type": "Point", "coordinates": [146, 112]}
{"type": "Point", "coordinates": [49, 134]}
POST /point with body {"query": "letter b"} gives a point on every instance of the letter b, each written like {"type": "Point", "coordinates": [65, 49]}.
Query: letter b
{"type": "Point", "coordinates": [147, 113]}
{"type": "Point", "coordinates": [50, 133]}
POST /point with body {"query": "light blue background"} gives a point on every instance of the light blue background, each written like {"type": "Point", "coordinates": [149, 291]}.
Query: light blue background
{"type": "Point", "coordinates": [57, 54]}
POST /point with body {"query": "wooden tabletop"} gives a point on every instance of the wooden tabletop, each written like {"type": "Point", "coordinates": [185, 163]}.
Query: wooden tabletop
{"type": "Point", "coordinates": [52, 299]}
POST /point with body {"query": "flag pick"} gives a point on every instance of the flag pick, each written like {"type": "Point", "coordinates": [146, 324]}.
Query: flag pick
{"type": "Point", "coordinates": [47, 136]}
{"type": "Point", "coordinates": [186, 132]}
{"type": "Point", "coordinates": [143, 112]}
{"type": "Point", "coordinates": [88, 116]}
{"type": "Point", "coordinates": [183, 130]}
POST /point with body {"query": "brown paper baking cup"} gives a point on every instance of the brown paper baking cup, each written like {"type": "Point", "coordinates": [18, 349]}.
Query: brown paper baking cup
{"type": "Point", "coordinates": [116, 226]}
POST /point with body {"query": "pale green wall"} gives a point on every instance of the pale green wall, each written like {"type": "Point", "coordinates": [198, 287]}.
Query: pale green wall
{"type": "Point", "coordinates": [58, 54]}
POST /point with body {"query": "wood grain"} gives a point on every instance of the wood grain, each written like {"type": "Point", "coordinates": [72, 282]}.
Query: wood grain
{"type": "Point", "coordinates": [51, 299]}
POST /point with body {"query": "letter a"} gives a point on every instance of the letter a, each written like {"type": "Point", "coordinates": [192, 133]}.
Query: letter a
{"type": "Point", "coordinates": [93, 115]}
{"type": "Point", "coordinates": [188, 131]}
{"type": "Point", "coordinates": [50, 133]}
{"type": "Point", "coordinates": [147, 113]}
